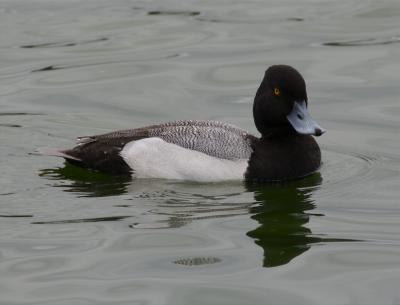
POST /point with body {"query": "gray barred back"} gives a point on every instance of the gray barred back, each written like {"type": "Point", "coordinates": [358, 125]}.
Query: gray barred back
{"type": "Point", "coordinates": [213, 138]}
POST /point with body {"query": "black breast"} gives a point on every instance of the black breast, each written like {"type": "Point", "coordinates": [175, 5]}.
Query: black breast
{"type": "Point", "coordinates": [283, 158]}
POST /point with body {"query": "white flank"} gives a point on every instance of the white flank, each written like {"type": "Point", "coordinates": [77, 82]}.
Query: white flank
{"type": "Point", "coordinates": [155, 158]}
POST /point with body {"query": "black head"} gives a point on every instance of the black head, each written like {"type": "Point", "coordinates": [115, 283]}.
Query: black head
{"type": "Point", "coordinates": [275, 99]}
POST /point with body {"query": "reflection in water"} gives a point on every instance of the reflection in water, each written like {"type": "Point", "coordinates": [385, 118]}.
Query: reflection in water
{"type": "Point", "coordinates": [87, 183]}
{"type": "Point", "coordinates": [282, 214]}
{"type": "Point", "coordinates": [153, 203]}
{"type": "Point", "coordinates": [282, 210]}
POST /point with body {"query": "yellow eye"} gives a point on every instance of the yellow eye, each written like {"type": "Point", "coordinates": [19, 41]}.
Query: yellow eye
{"type": "Point", "coordinates": [277, 92]}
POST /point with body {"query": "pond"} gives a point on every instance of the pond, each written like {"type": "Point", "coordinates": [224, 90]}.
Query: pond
{"type": "Point", "coordinates": [77, 68]}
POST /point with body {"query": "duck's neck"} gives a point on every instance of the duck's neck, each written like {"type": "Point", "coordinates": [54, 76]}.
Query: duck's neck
{"type": "Point", "coordinates": [279, 132]}
{"type": "Point", "coordinates": [277, 158]}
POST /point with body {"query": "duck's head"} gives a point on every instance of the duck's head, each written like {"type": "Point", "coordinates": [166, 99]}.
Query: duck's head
{"type": "Point", "coordinates": [280, 104]}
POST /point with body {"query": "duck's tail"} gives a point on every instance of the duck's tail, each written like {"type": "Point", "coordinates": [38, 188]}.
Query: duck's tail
{"type": "Point", "coordinates": [108, 161]}
{"type": "Point", "coordinates": [56, 152]}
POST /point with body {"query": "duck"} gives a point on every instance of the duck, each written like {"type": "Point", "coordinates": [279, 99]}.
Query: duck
{"type": "Point", "coordinates": [212, 151]}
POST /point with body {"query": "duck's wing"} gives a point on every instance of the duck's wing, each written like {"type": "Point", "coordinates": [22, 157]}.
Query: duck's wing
{"type": "Point", "coordinates": [216, 139]}
{"type": "Point", "coordinates": [213, 138]}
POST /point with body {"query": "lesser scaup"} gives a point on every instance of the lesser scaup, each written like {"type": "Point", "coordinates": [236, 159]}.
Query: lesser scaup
{"type": "Point", "coordinates": [215, 151]}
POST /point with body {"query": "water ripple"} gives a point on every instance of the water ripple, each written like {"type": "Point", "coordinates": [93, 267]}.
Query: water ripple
{"type": "Point", "coordinates": [63, 44]}
{"type": "Point", "coordinates": [95, 219]}
{"type": "Point", "coordinates": [174, 13]}
{"type": "Point", "coordinates": [340, 166]}
{"type": "Point", "coordinates": [364, 42]}
{"type": "Point", "coordinates": [197, 261]}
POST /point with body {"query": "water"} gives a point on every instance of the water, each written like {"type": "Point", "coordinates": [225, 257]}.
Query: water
{"type": "Point", "coordinates": [75, 68]}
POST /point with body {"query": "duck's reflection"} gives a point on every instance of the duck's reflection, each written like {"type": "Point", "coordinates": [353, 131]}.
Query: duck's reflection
{"type": "Point", "coordinates": [85, 182]}
{"type": "Point", "coordinates": [282, 212]}
{"type": "Point", "coordinates": [154, 203]}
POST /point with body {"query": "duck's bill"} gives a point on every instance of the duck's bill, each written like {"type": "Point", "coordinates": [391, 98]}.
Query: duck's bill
{"type": "Point", "coordinates": [302, 122]}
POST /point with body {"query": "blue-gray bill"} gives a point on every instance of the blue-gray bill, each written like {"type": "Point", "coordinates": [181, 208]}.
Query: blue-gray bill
{"type": "Point", "coordinates": [302, 122]}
